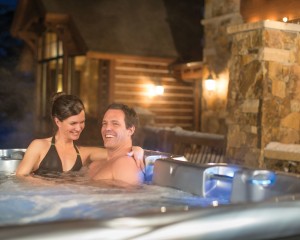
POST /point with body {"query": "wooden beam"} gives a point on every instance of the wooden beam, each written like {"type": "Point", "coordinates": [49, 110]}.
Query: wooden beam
{"type": "Point", "coordinates": [99, 55]}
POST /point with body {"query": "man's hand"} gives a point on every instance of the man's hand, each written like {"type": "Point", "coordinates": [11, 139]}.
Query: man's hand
{"type": "Point", "coordinates": [138, 154]}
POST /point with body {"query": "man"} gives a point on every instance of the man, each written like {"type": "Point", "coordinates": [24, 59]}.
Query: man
{"type": "Point", "coordinates": [118, 126]}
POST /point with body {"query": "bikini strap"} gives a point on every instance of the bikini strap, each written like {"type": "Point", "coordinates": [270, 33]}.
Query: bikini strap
{"type": "Point", "coordinates": [53, 144]}
{"type": "Point", "coordinates": [53, 141]}
{"type": "Point", "coordinates": [76, 149]}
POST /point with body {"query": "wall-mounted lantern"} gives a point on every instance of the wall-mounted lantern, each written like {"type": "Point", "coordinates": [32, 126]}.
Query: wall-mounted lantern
{"type": "Point", "coordinates": [159, 89]}
{"type": "Point", "coordinates": [210, 83]}
{"type": "Point", "coordinates": [156, 89]}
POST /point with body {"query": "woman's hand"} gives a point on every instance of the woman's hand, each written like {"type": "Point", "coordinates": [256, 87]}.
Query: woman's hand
{"type": "Point", "coordinates": [138, 154]}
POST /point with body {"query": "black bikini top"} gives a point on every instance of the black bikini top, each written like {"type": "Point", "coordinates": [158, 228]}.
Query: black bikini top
{"type": "Point", "coordinates": [52, 162]}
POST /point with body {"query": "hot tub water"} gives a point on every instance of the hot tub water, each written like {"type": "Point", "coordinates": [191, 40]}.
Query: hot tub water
{"type": "Point", "coordinates": [180, 201]}
{"type": "Point", "coordinates": [70, 197]}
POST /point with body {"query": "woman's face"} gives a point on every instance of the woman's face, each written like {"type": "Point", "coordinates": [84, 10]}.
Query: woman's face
{"type": "Point", "coordinates": [72, 127]}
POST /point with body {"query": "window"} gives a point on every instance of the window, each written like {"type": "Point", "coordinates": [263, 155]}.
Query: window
{"type": "Point", "coordinates": [51, 74]}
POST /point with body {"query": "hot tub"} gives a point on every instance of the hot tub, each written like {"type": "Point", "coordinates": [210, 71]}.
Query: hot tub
{"type": "Point", "coordinates": [179, 201]}
{"type": "Point", "coordinates": [10, 158]}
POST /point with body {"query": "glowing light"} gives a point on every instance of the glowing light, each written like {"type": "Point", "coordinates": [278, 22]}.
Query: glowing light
{"type": "Point", "coordinates": [210, 84]}
{"type": "Point", "coordinates": [182, 158]}
{"type": "Point", "coordinates": [159, 90]}
{"type": "Point", "coordinates": [151, 90]}
{"type": "Point", "coordinates": [59, 83]}
{"type": "Point", "coordinates": [163, 209]}
{"type": "Point", "coordinates": [285, 19]}
{"type": "Point", "coordinates": [155, 90]}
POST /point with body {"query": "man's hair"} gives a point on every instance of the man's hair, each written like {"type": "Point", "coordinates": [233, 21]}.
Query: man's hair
{"type": "Point", "coordinates": [131, 117]}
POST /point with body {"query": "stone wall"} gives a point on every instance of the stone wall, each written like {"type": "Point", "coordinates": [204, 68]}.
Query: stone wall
{"type": "Point", "coordinates": [219, 14]}
{"type": "Point", "coordinates": [263, 99]}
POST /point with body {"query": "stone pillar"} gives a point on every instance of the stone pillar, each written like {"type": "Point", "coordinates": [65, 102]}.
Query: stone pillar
{"type": "Point", "coordinates": [219, 14]}
{"type": "Point", "coordinates": [264, 89]}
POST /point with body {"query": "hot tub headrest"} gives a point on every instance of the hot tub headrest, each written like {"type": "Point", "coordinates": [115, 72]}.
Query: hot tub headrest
{"type": "Point", "coordinates": [10, 159]}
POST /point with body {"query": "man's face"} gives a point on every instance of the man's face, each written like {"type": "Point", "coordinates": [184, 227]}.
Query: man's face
{"type": "Point", "coordinates": [114, 132]}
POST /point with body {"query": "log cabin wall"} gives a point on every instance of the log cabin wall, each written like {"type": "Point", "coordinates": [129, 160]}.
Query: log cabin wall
{"type": "Point", "coordinates": [129, 81]}
{"type": "Point", "coordinates": [132, 80]}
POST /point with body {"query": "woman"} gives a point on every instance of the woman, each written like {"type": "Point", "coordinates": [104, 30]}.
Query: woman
{"type": "Point", "coordinates": [59, 153]}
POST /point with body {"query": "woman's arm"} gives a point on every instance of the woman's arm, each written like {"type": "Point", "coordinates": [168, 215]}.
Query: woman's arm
{"type": "Point", "coordinates": [138, 154]}
{"type": "Point", "coordinates": [30, 159]}
{"type": "Point", "coordinates": [90, 154]}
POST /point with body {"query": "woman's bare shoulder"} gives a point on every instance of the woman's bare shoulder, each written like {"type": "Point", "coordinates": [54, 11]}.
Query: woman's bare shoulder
{"type": "Point", "coordinates": [40, 142]}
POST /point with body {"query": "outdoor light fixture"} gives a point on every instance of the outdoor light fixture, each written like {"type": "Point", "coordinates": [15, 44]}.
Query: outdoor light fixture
{"type": "Point", "coordinates": [210, 83]}
{"type": "Point", "coordinates": [156, 89]}
{"type": "Point", "coordinates": [285, 19]}
{"type": "Point", "coordinates": [159, 90]}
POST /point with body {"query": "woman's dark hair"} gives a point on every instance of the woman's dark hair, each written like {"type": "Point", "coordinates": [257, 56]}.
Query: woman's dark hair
{"type": "Point", "coordinates": [64, 106]}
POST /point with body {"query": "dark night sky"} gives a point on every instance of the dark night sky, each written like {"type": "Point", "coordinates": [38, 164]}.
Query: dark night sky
{"type": "Point", "coordinates": [7, 8]}
{"type": "Point", "coordinates": [190, 32]}
{"type": "Point", "coordinates": [15, 110]}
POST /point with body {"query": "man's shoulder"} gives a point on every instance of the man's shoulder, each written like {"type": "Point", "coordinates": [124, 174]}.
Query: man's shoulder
{"type": "Point", "coordinates": [125, 169]}
{"type": "Point", "coordinates": [124, 159]}
{"type": "Point", "coordinates": [124, 162]}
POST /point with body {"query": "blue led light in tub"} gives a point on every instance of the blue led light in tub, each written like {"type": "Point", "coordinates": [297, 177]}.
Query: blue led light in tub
{"type": "Point", "coordinates": [149, 162]}
{"type": "Point", "coordinates": [263, 178]}
{"type": "Point", "coordinates": [218, 181]}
